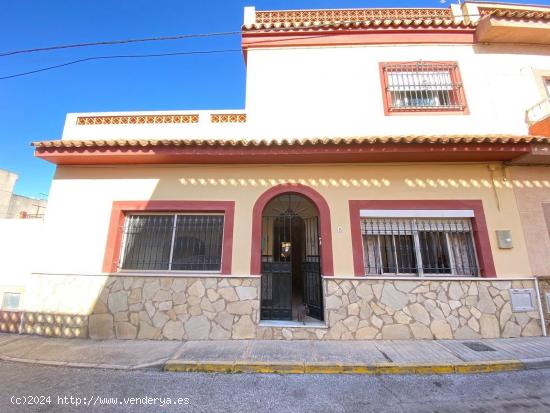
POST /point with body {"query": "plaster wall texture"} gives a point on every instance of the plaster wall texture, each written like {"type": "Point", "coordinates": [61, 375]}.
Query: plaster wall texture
{"type": "Point", "coordinates": [20, 244]}
{"type": "Point", "coordinates": [81, 199]}
{"type": "Point", "coordinates": [317, 92]}
{"type": "Point", "coordinates": [533, 201]}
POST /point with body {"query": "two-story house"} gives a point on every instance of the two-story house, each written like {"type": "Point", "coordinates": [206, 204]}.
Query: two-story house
{"type": "Point", "coordinates": [387, 179]}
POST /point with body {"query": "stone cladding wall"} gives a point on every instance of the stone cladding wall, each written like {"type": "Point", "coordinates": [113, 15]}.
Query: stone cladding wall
{"type": "Point", "coordinates": [228, 308]}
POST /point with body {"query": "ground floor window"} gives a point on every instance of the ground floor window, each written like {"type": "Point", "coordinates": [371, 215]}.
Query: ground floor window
{"type": "Point", "coordinates": [173, 242]}
{"type": "Point", "coordinates": [419, 246]}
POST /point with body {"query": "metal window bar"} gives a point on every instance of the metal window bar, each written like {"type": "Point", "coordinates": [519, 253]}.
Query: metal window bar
{"type": "Point", "coordinates": [418, 247]}
{"type": "Point", "coordinates": [423, 86]}
{"type": "Point", "coordinates": [172, 242]}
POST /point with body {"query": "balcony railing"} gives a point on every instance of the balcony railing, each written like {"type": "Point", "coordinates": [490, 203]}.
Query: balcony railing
{"type": "Point", "coordinates": [538, 112]}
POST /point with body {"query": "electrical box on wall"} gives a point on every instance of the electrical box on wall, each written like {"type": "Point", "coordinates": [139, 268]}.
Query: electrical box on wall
{"type": "Point", "coordinates": [504, 238]}
{"type": "Point", "coordinates": [522, 299]}
{"type": "Point", "coordinates": [548, 302]}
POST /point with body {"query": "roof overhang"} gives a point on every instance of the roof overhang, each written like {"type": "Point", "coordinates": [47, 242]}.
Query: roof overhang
{"type": "Point", "coordinates": [487, 148]}
{"type": "Point", "coordinates": [514, 27]}
{"type": "Point", "coordinates": [301, 34]}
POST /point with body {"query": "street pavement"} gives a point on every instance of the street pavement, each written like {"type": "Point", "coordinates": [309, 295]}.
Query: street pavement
{"type": "Point", "coordinates": [515, 353]}
{"type": "Point", "coordinates": [522, 391]}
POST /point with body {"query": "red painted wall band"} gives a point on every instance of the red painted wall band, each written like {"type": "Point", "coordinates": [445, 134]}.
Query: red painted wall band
{"type": "Point", "coordinates": [121, 208]}
{"type": "Point", "coordinates": [327, 266]}
{"type": "Point", "coordinates": [479, 226]}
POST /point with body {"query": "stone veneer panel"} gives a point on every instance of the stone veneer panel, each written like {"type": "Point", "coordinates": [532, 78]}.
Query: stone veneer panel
{"type": "Point", "coordinates": [426, 309]}
{"type": "Point", "coordinates": [182, 308]}
{"type": "Point", "coordinates": [544, 288]}
{"type": "Point", "coordinates": [219, 308]}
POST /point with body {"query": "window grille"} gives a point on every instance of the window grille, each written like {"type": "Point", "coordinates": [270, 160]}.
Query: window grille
{"type": "Point", "coordinates": [419, 86]}
{"type": "Point", "coordinates": [172, 242]}
{"type": "Point", "coordinates": [418, 246]}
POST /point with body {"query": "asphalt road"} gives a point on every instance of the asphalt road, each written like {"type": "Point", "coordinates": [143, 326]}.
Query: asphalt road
{"type": "Point", "coordinates": [527, 391]}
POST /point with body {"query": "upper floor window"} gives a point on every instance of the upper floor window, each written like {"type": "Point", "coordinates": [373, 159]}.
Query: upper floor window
{"type": "Point", "coordinates": [422, 87]}
{"type": "Point", "coordinates": [177, 242]}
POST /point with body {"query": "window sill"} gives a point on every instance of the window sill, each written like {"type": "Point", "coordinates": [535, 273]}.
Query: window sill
{"type": "Point", "coordinates": [431, 278]}
{"type": "Point", "coordinates": [292, 324]}
{"type": "Point", "coordinates": [419, 112]}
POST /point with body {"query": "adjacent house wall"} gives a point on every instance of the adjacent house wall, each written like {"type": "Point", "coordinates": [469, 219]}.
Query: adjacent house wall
{"type": "Point", "coordinates": [20, 244]}
{"type": "Point", "coordinates": [532, 188]}
{"type": "Point", "coordinates": [25, 207]}
{"type": "Point", "coordinates": [7, 183]}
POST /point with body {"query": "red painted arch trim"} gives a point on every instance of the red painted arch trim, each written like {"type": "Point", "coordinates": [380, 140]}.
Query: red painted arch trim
{"type": "Point", "coordinates": [121, 208]}
{"type": "Point", "coordinates": [479, 226]}
{"type": "Point", "coordinates": [327, 266]}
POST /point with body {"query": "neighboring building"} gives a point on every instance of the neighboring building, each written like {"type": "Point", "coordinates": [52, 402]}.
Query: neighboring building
{"type": "Point", "coordinates": [382, 178]}
{"type": "Point", "coordinates": [17, 206]}
{"type": "Point", "coordinates": [20, 244]}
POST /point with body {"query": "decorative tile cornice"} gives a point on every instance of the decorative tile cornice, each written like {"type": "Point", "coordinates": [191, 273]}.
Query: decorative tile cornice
{"type": "Point", "coordinates": [351, 15]}
{"type": "Point", "coordinates": [228, 118]}
{"type": "Point", "coordinates": [136, 119]}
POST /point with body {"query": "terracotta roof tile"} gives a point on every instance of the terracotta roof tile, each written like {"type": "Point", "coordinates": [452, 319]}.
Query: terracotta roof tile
{"type": "Point", "coordinates": [521, 14]}
{"type": "Point", "coordinates": [365, 24]}
{"type": "Point", "coordinates": [405, 139]}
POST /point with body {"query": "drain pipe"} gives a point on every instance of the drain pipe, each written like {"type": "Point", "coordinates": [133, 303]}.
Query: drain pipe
{"type": "Point", "coordinates": [541, 312]}
{"type": "Point", "coordinates": [492, 169]}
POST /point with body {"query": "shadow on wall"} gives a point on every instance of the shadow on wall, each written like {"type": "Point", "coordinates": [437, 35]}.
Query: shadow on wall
{"type": "Point", "coordinates": [223, 307]}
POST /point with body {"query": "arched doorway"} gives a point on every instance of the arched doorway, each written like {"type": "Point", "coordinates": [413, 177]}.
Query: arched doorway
{"type": "Point", "coordinates": [291, 259]}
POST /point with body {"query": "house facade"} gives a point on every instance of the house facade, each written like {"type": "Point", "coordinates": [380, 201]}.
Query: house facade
{"type": "Point", "coordinates": [387, 179]}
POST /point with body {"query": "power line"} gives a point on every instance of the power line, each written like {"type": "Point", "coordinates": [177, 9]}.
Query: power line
{"type": "Point", "coordinates": [196, 52]}
{"type": "Point", "coordinates": [113, 42]}
{"type": "Point", "coordinates": [191, 36]}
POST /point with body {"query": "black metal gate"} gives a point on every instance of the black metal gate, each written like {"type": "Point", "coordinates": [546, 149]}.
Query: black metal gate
{"type": "Point", "coordinates": [290, 264]}
{"type": "Point", "coordinates": [311, 269]}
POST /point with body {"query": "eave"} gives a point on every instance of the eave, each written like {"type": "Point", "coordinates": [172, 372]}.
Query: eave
{"type": "Point", "coordinates": [478, 148]}
{"type": "Point", "coordinates": [300, 34]}
{"type": "Point", "coordinates": [520, 27]}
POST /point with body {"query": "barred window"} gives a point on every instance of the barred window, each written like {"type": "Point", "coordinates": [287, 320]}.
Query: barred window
{"type": "Point", "coordinates": [418, 246]}
{"type": "Point", "coordinates": [175, 242]}
{"type": "Point", "coordinates": [423, 86]}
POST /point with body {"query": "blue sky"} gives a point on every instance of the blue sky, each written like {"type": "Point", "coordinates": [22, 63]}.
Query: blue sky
{"type": "Point", "coordinates": [34, 107]}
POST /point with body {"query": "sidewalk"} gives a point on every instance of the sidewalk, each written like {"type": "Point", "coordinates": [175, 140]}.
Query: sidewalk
{"type": "Point", "coordinates": [270, 356]}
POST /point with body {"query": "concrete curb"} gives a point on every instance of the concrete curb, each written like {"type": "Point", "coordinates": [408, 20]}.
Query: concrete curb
{"type": "Point", "coordinates": [158, 363]}
{"type": "Point", "coordinates": [299, 367]}
{"type": "Point", "coordinates": [340, 368]}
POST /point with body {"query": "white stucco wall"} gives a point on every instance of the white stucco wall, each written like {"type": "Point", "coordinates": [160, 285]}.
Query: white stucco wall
{"type": "Point", "coordinates": [21, 245]}
{"type": "Point", "coordinates": [336, 91]}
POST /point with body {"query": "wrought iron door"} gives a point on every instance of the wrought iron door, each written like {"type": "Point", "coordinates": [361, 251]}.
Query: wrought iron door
{"type": "Point", "coordinates": [290, 249]}
{"type": "Point", "coordinates": [277, 251]}
{"type": "Point", "coordinates": [311, 269]}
